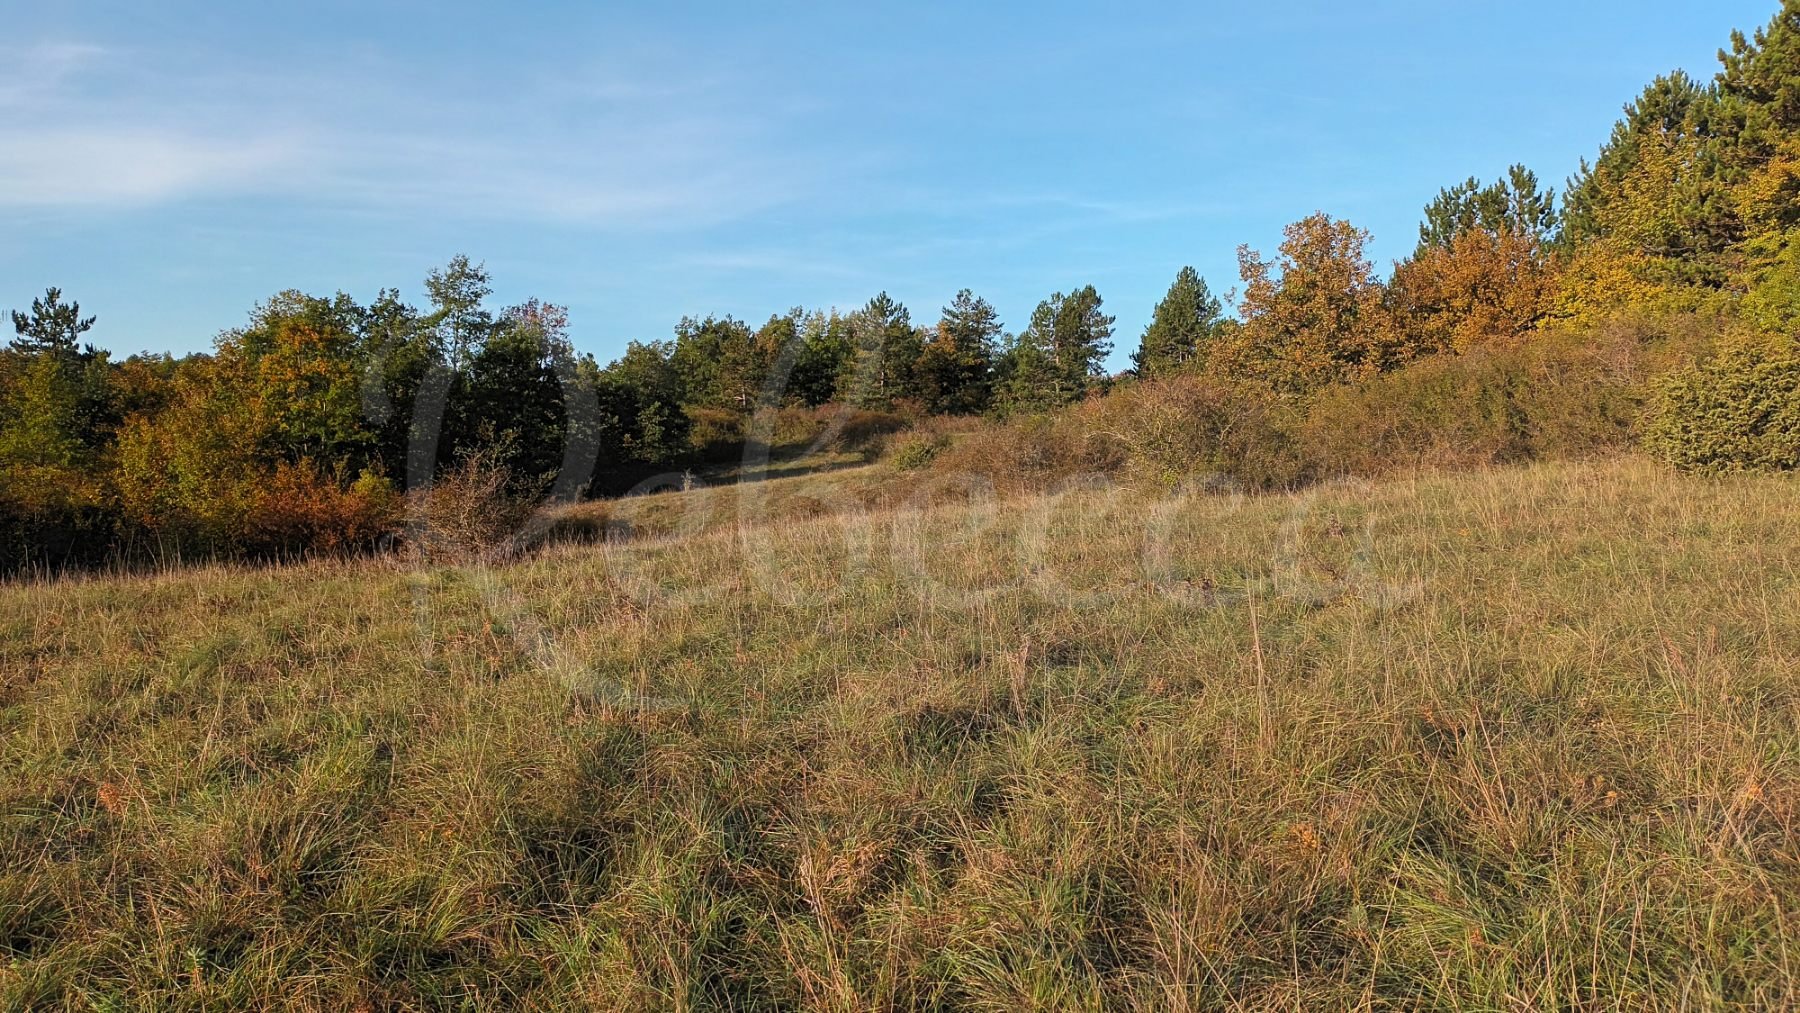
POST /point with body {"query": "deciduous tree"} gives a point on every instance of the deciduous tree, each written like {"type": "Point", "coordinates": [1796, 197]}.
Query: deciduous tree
{"type": "Point", "coordinates": [1314, 316]}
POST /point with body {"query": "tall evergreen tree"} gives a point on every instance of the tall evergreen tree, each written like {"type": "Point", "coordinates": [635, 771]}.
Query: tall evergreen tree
{"type": "Point", "coordinates": [1759, 90]}
{"type": "Point", "coordinates": [51, 326]}
{"type": "Point", "coordinates": [1514, 206]}
{"type": "Point", "coordinates": [955, 368]}
{"type": "Point", "coordinates": [1060, 355]}
{"type": "Point", "coordinates": [1027, 379]}
{"type": "Point", "coordinates": [826, 345]}
{"type": "Point", "coordinates": [1181, 329]}
{"type": "Point", "coordinates": [879, 369]}
{"type": "Point", "coordinates": [1080, 338]}
{"type": "Point", "coordinates": [1660, 186]}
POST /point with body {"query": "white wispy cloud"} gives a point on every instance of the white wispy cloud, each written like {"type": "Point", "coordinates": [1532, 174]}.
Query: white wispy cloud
{"type": "Point", "coordinates": [98, 166]}
{"type": "Point", "coordinates": [84, 127]}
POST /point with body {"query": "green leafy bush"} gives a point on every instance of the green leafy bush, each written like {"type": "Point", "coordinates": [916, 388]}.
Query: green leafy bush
{"type": "Point", "coordinates": [714, 433]}
{"type": "Point", "coordinates": [914, 450]}
{"type": "Point", "coordinates": [1738, 410]}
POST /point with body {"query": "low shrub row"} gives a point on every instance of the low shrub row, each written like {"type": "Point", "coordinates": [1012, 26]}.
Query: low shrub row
{"type": "Point", "coordinates": [1691, 391]}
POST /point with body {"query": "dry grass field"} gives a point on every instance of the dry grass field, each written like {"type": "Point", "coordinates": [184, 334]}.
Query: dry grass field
{"type": "Point", "coordinates": [1518, 739]}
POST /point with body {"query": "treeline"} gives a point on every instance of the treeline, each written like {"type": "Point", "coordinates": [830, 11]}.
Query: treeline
{"type": "Point", "coordinates": [1656, 302]}
{"type": "Point", "coordinates": [306, 429]}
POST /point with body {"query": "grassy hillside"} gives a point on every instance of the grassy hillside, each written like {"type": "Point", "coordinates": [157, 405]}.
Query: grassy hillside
{"type": "Point", "coordinates": [1518, 739]}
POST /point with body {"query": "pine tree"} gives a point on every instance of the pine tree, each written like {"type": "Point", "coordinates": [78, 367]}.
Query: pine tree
{"type": "Point", "coordinates": [1182, 329]}
{"type": "Point", "coordinates": [1514, 206]}
{"type": "Point", "coordinates": [1759, 89]}
{"type": "Point", "coordinates": [879, 369]}
{"type": "Point", "coordinates": [955, 369]}
{"type": "Point", "coordinates": [1080, 337]}
{"type": "Point", "coordinates": [1028, 379]}
{"type": "Point", "coordinates": [1661, 185]}
{"type": "Point", "coordinates": [52, 326]}
{"type": "Point", "coordinates": [826, 345]}
{"type": "Point", "coordinates": [1059, 357]}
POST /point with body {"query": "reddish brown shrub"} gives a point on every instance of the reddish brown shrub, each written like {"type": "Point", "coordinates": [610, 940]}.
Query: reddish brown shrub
{"type": "Point", "coordinates": [300, 511]}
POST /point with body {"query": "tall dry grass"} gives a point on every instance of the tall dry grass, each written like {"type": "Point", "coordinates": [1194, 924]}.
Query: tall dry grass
{"type": "Point", "coordinates": [1520, 739]}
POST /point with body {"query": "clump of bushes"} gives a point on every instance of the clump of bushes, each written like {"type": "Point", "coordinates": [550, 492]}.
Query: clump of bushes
{"type": "Point", "coordinates": [54, 518]}
{"type": "Point", "coordinates": [1185, 427]}
{"type": "Point", "coordinates": [1032, 452]}
{"type": "Point", "coordinates": [861, 430]}
{"type": "Point", "coordinates": [714, 433]}
{"type": "Point", "coordinates": [914, 450]}
{"type": "Point", "coordinates": [1440, 412]}
{"type": "Point", "coordinates": [476, 510]}
{"type": "Point", "coordinates": [825, 429]}
{"type": "Point", "coordinates": [581, 524]}
{"type": "Point", "coordinates": [1585, 391]}
{"type": "Point", "coordinates": [1560, 394]}
{"type": "Point", "coordinates": [1736, 410]}
{"type": "Point", "coordinates": [299, 510]}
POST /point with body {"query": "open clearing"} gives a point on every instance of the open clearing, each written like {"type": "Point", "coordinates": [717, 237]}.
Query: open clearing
{"type": "Point", "coordinates": [1518, 739]}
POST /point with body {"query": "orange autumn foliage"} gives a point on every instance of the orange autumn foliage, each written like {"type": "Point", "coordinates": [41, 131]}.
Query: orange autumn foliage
{"type": "Point", "coordinates": [1314, 316]}
{"type": "Point", "coordinates": [298, 509]}
{"type": "Point", "coordinates": [1484, 288]}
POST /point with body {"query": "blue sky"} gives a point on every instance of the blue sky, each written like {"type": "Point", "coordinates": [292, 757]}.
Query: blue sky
{"type": "Point", "coordinates": [172, 164]}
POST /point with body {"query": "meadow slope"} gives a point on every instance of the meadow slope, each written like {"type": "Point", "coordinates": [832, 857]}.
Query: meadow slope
{"type": "Point", "coordinates": [1517, 739]}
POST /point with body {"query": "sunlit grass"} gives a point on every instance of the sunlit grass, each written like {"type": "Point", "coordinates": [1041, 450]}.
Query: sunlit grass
{"type": "Point", "coordinates": [1522, 739]}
